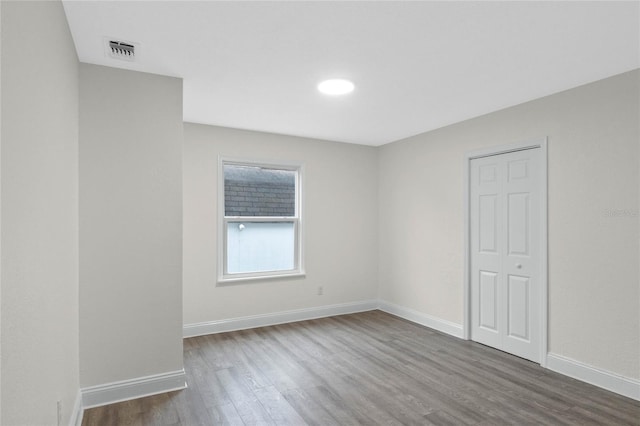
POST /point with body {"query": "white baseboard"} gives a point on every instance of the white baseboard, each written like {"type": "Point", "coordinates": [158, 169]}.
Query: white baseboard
{"type": "Point", "coordinates": [243, 323]}
{"type": "Point", "coordinates": [444, 326]}
{"type": "Point", "coordinates": [125, 390]}
{"type": "Point", "coordinates": [595, 376]}
{"type": "Point", "coordinates": [78, 411]}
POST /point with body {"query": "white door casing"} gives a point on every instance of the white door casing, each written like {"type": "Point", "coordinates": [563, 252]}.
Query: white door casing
{"type": "Point", "coordinates": [506, 247]}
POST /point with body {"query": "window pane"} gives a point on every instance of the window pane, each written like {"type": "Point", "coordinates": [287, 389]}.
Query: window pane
{"type": "Point", "coordinates": [258, 191]}
{"type": "Point", "coordinates": [260, 246]}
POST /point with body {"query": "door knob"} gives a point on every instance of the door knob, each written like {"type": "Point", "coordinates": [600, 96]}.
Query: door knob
{"type": "Point", "coordinates": [518, 265]}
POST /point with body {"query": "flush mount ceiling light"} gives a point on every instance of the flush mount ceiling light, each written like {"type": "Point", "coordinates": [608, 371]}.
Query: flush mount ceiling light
{"type": "Point", "coordinates": [336, 87]}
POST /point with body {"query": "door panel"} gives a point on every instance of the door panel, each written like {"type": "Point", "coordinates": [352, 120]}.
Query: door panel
{"type": "Point", "coordinates": [518, 170]}
{"type": "Point", "coordinates": [488, 300]}
{"type": "Point", "coordinates": [518, 224]}
{"type": "Point", "coordinates": [488, 173]}
{"type": "Point", "coordinates": [504, 252]}
{"type": "Point", "coordinates": [488, 211]}
{"type": "Point", "coordinates": [518, 306]}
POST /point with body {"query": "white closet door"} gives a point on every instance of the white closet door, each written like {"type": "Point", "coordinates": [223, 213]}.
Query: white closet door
{"type": "Point", "coordinates": [505, 252]}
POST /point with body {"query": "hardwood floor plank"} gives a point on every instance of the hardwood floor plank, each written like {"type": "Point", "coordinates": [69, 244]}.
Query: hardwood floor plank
{"type": "Point", "coordinates": [158, 410]}
{"type": "Point", "coordinates": [336, 405]}
{"type": "Point", "coordinates": [288, 364]}
{"type": "Point", "coordinates": [370, 368]}
{"type": "Point", "coordinates": [352, 399]}
{"type": "Point", "coordinates": [250, 364]}
{"type": "Point", "coordinates": [442, 418]}
{"type": "Point", "coordinates": [313, 413]}
{"type": "Point", "coordinates": [204, 380]}
{"type": "Point", "coordinates": [508, 394]}
{"type": "Point", "coordinates": [243, 398]}
{"type": "Point", "coordinates": [94, 416]}
{"type": "Point", "coordinates": [271, 366]}
{"type": "Point", "coordinates": [190, 407]}
{"type": "Point", "coordinates": [279, 409]}
{"type": "Point", "coordinates": [225, 415]}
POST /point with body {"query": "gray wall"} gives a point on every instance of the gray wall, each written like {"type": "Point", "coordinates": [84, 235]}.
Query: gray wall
{"type": "Point", "coordinates": [594, 299]}
{"type": "Point", "coordinates": [0, 215]}
{"type": "Point", "coordinates": [339, 213]}
{"type": "Point", "coordinates": [130, 224]}
{"type": "Point", "coordinates": [39, 175]}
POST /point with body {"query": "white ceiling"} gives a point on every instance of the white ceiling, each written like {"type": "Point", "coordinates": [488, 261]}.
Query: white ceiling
{"type": "Point", "coordinates": [417, 66]}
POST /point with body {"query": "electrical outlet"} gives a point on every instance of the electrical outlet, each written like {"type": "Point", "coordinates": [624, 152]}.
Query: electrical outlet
{"type": "Point", "coordinates": [59, 405]}
{"type": "Point", "coordinates": [320, 290]}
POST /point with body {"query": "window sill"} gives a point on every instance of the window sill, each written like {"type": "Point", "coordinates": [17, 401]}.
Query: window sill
{"type": "Point", "coordinates": [239, 280]}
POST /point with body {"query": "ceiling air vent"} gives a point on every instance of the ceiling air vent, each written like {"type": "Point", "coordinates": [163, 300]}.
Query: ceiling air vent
{"type": "Point", "coordinates": [122, 50]}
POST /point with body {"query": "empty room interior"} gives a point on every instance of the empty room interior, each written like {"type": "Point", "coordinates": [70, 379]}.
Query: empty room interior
{"type": "Point", "coordinates": [320, 213]}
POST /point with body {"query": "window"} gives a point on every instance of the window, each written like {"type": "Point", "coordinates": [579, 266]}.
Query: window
{"type": "Point", "coordinates": [260, 223]}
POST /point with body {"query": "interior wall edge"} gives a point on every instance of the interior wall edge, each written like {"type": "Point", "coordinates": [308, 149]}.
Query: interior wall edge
{"type": "Point", "coordinates": [125, 390]}
{"type": "Point", "coordinates": [613, 382]}
{"type": "Point", "coordinates": [78, 411]}
{"type": "Point", "coordinates": [254, 321]}
{"type": "Point", "coordinates": [444, 326]}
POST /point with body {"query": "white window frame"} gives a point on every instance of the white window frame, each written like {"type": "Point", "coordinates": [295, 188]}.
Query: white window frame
{"type": "Point", "coordinates": [298, 264]}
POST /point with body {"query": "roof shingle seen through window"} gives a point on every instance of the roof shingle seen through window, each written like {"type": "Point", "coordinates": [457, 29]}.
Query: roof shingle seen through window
{"type": "Point", "coordinates": [256, 191]}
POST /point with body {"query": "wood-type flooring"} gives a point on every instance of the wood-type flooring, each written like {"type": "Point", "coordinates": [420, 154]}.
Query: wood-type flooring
{"type": "Point", "coordinates": [369, 368]}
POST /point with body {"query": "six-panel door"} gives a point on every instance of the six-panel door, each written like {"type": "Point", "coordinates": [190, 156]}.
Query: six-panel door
{"type": "Point", "coordinates": [504, 221]}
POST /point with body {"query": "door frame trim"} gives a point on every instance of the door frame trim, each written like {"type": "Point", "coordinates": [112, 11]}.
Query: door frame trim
{"type": "Point", "coordinates": [539, 143]}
